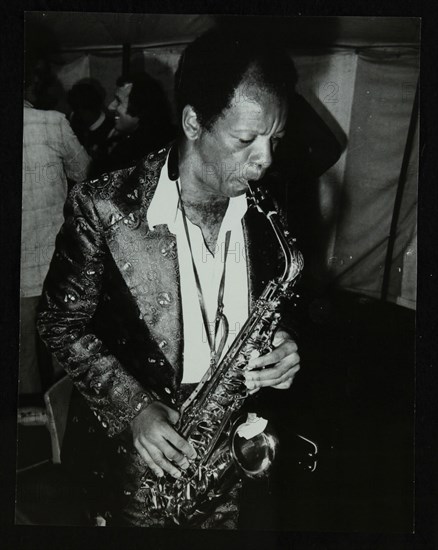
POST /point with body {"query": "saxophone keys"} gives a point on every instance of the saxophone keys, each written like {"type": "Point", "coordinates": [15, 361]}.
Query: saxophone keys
{"type": "Point", "coordinates": [154, 498]}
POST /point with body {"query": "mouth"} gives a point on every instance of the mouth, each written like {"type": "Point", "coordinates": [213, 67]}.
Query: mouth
{"type": "Point", "coordinates": [243, 184]}
{"type": "Point", "coordinates": [248, 182]}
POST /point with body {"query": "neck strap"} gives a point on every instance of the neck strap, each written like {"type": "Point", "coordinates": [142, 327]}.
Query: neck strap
{"type": "Point", "coordinates": [215, 350]}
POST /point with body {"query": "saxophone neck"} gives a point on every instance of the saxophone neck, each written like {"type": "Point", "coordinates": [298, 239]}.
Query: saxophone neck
{"type": "Point", "coordinates": [293, 258]}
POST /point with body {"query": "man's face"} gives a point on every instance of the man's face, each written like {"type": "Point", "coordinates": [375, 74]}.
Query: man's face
{"type": "Point", "coordinates": [124, 122]}
{"type": "Point", "coordinates": [240, 145]}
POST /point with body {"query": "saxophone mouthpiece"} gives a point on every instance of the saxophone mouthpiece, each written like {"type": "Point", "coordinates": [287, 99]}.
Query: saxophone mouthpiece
{"type": "Point", "coordinates": [248, 183]}
{"type": "Point", "coordinates": [252, 194]}
{"type": "Point", "coordinates": [260, 198]}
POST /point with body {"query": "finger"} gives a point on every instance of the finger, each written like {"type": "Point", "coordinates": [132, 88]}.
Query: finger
{"type": "Point", "coordinates": [173, 415]}
{"type": "Point", "coordinates": [179, 442]}
{"type": "Point", "coordinates": [284, 385]}
{"type": "Point", "coordinates": [276, 371]}
{"type": "Point", "coordinates": [287, 382]}
{"type": "Point", "coordinates": [280, 336]}
{"type": "Point", "coordinates": [174, 455]}
{"type": "Point", "coordinates": [267, 378]}
{"type": "Point", "coordinates": [287, 362]}
{"type": "Point", "coordinates": [148, 459]}
{"type": "Point", "coordinates": [287, 347]}
{"type": "Point", "coordinates": [161, 461]}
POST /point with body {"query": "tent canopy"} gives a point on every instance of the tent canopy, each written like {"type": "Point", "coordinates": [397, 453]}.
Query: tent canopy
{"type": "Point", "coordinates": [358, 73]}
{"type": "Point", "coordinates": [90, 30]}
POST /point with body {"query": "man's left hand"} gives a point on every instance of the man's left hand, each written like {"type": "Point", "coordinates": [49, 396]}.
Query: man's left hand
{"type": "Point", "coordinates": [277, 368]}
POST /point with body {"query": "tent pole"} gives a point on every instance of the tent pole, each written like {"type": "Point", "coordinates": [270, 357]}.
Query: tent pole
{"type": "Point", "coordinates": [398, 198]}
{"type": "Point", "coordinates": [116, 48]}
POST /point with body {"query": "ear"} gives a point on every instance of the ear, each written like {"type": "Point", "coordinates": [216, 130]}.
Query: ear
{"type": "Point", "coordinates": [190, 123]}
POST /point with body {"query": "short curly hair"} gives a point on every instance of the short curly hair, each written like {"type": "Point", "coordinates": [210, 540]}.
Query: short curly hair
{"type": "Point", "coordinates": [215, 64]}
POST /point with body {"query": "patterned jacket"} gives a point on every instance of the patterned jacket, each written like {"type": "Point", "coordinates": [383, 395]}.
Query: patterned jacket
{"type": "Point", "coordinates": [111, 309]}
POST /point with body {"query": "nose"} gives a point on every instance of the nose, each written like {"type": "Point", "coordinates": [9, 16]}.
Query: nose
{"type": "Point", "coordinates": [262, 157]}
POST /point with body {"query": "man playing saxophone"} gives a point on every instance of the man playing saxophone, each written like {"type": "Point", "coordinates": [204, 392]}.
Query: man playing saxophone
{"type": "Point", "coordinates": [157, 267]}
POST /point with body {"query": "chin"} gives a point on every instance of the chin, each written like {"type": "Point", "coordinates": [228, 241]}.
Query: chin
{"type": "Point", "coordinates": [236, 193]}
{"type": "Point", "coordinates": [239, 188]}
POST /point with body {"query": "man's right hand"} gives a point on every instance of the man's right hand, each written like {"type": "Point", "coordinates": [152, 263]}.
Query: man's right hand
{"type": "Point", "coordinates": [161, 447]}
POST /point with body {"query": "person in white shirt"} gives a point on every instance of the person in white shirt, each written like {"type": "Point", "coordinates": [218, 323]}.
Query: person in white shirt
{"type": "Point", "coordinates": [144, 258]}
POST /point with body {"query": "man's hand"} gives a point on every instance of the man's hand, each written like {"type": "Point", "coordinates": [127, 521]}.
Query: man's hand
{"type": "Point", "coordinates": [161, 447]}
{"type": "Point", "coordinates": [285, 360]}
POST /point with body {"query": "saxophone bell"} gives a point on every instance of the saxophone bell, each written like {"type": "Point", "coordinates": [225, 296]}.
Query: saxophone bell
{"type": "Point", "coordinates": [253, 445]}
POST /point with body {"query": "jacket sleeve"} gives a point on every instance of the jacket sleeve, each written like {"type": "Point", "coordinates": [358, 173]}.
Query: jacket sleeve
{"type": "Point", "coordinates": [71, 293]}
{"type": "Point", "coordinates": [75, 159]}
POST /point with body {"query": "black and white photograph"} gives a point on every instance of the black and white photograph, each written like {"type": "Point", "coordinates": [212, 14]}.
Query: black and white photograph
{"type": "Point", "coordinates": [218, 272]}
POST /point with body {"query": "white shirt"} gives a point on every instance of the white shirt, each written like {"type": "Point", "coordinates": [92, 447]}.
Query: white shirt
{"type": "Point", "coordinates": [163, 209]}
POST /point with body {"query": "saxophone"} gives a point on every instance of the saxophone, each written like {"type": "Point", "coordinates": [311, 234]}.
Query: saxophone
{"type": "Point", "coordinates": [227, 448]}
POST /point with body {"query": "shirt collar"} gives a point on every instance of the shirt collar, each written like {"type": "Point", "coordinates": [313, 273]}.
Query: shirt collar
{"type": "Point", "coordinates": [163, 208]}
{"type": "Point", "coordinates": [237, 208]}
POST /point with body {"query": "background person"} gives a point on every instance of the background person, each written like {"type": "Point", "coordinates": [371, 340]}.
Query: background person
{"type": "Point", "coordinates": [141, 122]}
{"type": "Point", "coordinates": [51, 155]}
{"type": "Point", "coordinates": [89, 119]}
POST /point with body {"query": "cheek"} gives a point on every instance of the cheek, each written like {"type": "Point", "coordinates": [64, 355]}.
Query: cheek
{"type": "Point", "coordinates": [226, 160]}
{"type": "Point", "coordinates": [239, 161]}
{"type": "Point", "coordinates": [233, 154]}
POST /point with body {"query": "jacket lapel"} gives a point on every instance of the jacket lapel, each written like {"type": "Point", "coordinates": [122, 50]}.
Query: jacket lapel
{"type": "Point", "coordinates": [147, 259]}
